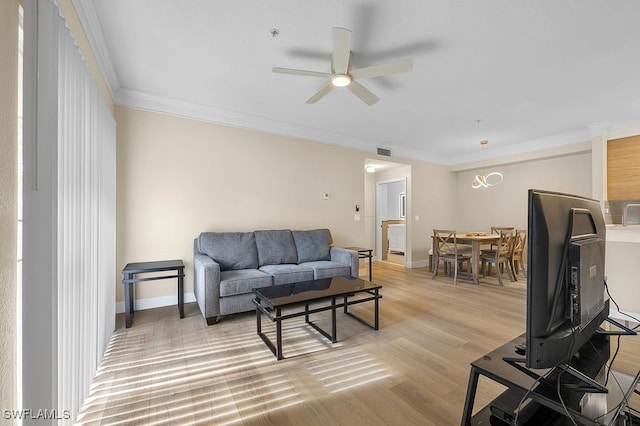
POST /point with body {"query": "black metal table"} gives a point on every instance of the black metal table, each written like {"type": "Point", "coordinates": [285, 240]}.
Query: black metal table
{"type": "Point", "coordinates": [340, 292]}
{"type": "Point", "coordinates": [364, 253]}
{"type": "Point", "coordinates": [540, 389]}
{"type": "Point", "coordinates": [129, 278]}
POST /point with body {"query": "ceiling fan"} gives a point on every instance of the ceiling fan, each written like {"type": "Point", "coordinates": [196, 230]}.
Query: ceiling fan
{"type": "Point", "coordinates": [342, 75]}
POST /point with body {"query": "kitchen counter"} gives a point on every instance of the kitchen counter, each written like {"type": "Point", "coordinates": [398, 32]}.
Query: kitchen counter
{"type": "Point", "coordinates": [623, 234]}
{"type": "Point", "coordinates": [621, 259]}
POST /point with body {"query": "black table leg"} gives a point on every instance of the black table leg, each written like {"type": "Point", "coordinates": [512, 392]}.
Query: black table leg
{"type": "Point", "coordinates": [334, 336]}
{"type": "Point", "coordinates": [258, 321]}
{"type": "Point", "coordinates": [278, 334]}
{"type": "Point", "coordinates": [376, 305]}
{"type": "Point", "coordinates": [128, 301]}
{"type": "Point", "coordinates": [181, 292]}
{"type": "Point", "coordinates": [471, 396]}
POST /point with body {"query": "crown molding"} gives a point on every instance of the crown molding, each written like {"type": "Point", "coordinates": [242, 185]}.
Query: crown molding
{"type": "Point", "coordinates": [570, 143]}
{"type": "Point", "coordinates": [144, 101]}
{"type": "Point", "coordinates": [624, 128]}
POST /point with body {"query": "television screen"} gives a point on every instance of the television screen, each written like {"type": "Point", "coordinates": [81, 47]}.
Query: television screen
{"type": "Point", "coordinates": [565, 276]}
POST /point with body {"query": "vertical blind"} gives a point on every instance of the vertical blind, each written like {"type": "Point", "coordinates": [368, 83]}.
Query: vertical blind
{"type": "Point", "coordinates": [86, 223]}
{"type": "Point", "coordinates": [83, 246]}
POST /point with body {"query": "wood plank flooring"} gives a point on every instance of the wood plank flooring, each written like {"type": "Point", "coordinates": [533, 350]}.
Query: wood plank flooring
{"type": "Point", "coordinates": [412, 371]}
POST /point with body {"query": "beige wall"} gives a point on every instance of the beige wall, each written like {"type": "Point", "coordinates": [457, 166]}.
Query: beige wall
{"type": "Point", "coordinates": [178, 177]}
{"type": "Point", "coordinates": [431, 203]}
{"type": "Point", "coordinates": [435, 210]}
{"type": "Point", "coordinates": [8, 201]}
{"type": "Point", "coordinates": [506, 203]}
{"type": "Point", "coordinates": [621, 275]}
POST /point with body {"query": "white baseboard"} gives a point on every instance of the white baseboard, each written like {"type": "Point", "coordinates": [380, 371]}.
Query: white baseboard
{"type": "Point", "coordinates": [155, 302]}
{"type": "Point", "coordinates": [418, 264]}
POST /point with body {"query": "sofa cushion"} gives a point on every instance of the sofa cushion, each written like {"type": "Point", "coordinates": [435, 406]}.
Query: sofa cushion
{"type": "Point", "coordinates": [232, 250]}
{"type": "Point", "coordinates": [328, 269]}
{"type": "Point", "coordinates": [242, 281]}
{"type": "Point", "coordinates": [288, 273]}
{"type": "Point", "coordinates": [275, 247]}
{"type": "Point", "coordinates": [313, 245]}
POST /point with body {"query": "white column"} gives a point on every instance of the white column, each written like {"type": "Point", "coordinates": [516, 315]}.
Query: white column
{"type": "Point", "coordinates": [599, 138]}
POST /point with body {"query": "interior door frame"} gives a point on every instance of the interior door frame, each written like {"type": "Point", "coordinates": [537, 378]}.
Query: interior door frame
{"type": "Point", "coordinates": [378, 216]}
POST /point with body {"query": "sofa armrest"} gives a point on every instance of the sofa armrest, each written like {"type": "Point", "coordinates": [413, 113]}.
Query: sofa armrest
{"type": "Point", "coordinates": [347, 257]}
{"type": "Point", "coordinates": [206, 285]}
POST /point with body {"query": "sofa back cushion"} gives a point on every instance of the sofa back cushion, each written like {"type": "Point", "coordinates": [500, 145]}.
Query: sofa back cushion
{"type": "Point", "coordinates": [313, 245]}
{"type": "Point", "coordinates": [276, 247]}
{"type": "Point", "coordinates": [232, 250]}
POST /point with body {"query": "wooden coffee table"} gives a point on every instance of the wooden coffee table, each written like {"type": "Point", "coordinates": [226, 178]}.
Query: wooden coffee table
{"type": "Point", "coordinates": [326, 294]}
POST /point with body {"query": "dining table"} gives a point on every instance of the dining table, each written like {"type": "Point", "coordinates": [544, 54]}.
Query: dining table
{"type": "Point", "coordinates": [476, 240]}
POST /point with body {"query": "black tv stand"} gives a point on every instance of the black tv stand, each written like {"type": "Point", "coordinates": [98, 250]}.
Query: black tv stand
{"type": "Point", "coordinates": [583, 367]}
{"type": "Point", "coordinates": [621, 331]}
{"type": "Point", "coordinates": [583, 404]}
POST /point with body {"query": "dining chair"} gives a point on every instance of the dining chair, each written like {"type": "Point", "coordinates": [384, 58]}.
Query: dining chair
{"type": "Point", "coordinates": [499, 257]}
{"type": "Point", "coordinates": [496, 230]}
{"type": "Point", "coordinates": [516, 261]}
{"type": "Point", "coordinates": [445, 249]}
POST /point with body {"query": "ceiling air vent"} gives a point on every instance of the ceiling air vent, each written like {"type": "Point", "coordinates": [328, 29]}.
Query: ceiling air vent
{"type": "Point", "coordinates": [384, 152]}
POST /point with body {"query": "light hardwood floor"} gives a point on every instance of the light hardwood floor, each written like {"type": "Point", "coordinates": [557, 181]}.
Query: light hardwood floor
{"type": "Point", "coordinates": [412, 371]}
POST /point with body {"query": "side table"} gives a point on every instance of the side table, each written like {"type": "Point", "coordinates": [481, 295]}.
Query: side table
{"type": "Point", "coordinates": [364, 253]}
{"type": "Point", "coordinates": [129, 278]}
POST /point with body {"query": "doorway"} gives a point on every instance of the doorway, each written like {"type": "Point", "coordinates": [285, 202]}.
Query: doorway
{"type": "Point", "coordinates": [388, 198]}
{"type": "Point", "coordinates": [391, 230]}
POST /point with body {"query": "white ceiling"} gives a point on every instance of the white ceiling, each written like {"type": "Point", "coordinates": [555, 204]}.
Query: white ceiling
{"type": "Point", "coordinates": [523, 74]}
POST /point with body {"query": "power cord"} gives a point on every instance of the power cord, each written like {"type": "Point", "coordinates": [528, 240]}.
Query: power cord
{"type": "Point", "coordinates": [625, 401]}
{"type": "Point", "coordinates": [558, 391]}
{"type": "Point", "coordinates": [609, 367]}
{"type": "Point", "coordinates": [636, 320]}
{"type": "Point", "coordinates": [524, 398]}
{"type": "Point", "coordinates": [566, 359]}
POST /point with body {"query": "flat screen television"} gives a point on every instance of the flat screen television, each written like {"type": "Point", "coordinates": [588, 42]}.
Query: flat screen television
{"type": "Point", "coordinates": [565, 276]}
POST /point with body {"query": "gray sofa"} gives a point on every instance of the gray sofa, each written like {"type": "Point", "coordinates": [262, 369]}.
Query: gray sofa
{"type": "Point", "coordinates": [229, 265]}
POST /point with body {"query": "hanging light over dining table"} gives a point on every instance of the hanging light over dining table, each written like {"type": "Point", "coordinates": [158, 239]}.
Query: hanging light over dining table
{"type": "Point", "coordinates": [486, 180]}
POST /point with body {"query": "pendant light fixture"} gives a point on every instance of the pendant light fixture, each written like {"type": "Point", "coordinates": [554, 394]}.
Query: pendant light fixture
{"type": "Point", "coordinates": [486, 180]}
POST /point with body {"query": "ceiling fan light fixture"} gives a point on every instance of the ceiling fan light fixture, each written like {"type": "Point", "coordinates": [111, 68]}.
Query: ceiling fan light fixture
{"type": "Point", "coordinates": [341, 80]}
{"type": "Point", "coordinates": [342, 75]}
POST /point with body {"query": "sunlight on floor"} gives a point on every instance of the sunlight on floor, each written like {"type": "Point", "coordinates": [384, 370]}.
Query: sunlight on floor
{"type": "Point", "coordinates": [180, 385]}
{"type": "Point", "coordinates": [217, 380]}
{"type": "Point", "coordinates": [347, 369]}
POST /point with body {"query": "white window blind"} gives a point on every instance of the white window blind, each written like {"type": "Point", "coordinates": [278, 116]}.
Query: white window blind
{"type": "Point", "coordinates": [70, 203]}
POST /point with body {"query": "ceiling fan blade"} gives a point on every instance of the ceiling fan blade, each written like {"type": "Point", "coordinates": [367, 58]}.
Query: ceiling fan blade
{"type": "Point", "coordinates": [363, 93]}
{"type": "Point", "coordinates": [404, 65]}
{"type": "Point", "coordinates": [320, 94]}
{"type": "Point", "coordinates": [341, 50]}
{"type": "Point", "coordinates": [301, 72]}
